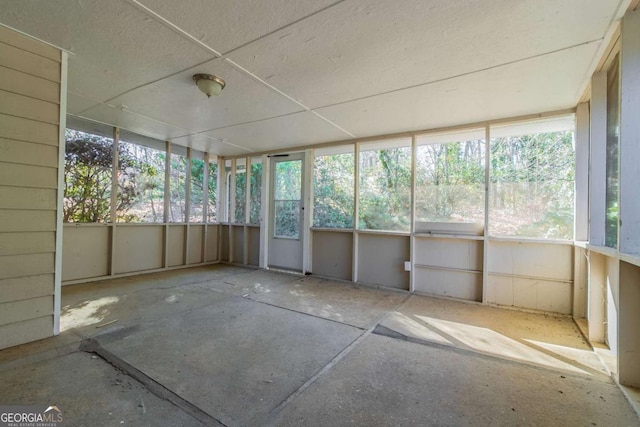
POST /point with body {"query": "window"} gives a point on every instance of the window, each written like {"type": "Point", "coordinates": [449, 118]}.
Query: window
{"type": "Point", "coordinates": [333, 181]}
{"type": "Point", "coordinates": [613, 141]}
{"type": "Point", "coordinates": [87, 177]}
{"type": "Point", "coordinates": [212, 184]}
{"type": "Point", "coordinates": [240, 191]}
{"type": "Point", "coordinates": [385, 185]}
{"type": "Point", "coordinates": [196, 204]}
{"type": "Point", "coordinates": [532, 179]}
{"type": "Point", "coordinates": [178, 185]}
{"type": "Point", "coordinates": [256, 191]}
{"type": "Point", "coordinates": [450, 175]}
{"type": "Point", "coordinates": [287, 195]}
{"type": "Point", "coordinates": [140, 183]}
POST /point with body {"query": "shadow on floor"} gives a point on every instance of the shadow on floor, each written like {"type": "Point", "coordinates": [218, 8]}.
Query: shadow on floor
{"type": "Point", "coordinates": [252, 347]}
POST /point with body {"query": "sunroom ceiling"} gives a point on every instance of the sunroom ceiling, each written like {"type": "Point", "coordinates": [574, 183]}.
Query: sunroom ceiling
{"type": "Point", "coordinates": [311, 71]}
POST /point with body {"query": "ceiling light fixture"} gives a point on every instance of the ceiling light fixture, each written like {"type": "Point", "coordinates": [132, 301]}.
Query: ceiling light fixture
{"type": "Point", "coordinates": [209, 84]}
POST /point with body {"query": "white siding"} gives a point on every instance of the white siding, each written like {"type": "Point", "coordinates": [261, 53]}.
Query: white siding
{"type": "Point", "coordinates": [30, 76]}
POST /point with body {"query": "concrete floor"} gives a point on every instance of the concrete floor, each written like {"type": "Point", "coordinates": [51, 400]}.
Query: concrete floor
{"type": "Point", "coordinates": [226, 345]}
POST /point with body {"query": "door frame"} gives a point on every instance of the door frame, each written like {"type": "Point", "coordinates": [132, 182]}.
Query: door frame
{"type": "Point", "coordinates": [307, 201]}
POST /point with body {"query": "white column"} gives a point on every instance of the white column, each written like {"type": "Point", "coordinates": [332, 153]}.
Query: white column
{"type": "Point", "coordinates": [581, 229]}
{"type": "Point", "coordinates": [307, 219]}
{"type": "Point", "coordinates": [114, 200]}
{"type": "Point", "coordinates": [265, 215]}
{"type": "Point", "coordinates": [630, 135]}
{"type": "Point", "coordinates": [598, 156]}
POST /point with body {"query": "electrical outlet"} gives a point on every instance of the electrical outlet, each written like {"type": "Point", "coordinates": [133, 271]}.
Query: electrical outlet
{"type": "Point", "coordinates": [407, 266]}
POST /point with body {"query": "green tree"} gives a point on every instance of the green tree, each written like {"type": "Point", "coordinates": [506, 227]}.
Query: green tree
{"type": "Point", "coordinates": [385, 189]}
{"type": "Point", "coordinates": [532, 185]}
{"type": "Point", "coordinates": [88, 174]}
{"type": "Point", "coordinates": [255, 198]}
{"type": "Point", "coordinates": [333, 191]}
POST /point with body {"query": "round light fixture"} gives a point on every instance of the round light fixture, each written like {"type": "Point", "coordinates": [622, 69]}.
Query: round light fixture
{"type": "Point", "coordinates": [209, 84]}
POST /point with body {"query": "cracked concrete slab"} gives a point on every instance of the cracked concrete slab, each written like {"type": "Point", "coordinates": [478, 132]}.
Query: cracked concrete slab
{"type": "Point", "coordinates": [342, 302]}
{"type": "Point", "coordinates": [386, 381]}
{"type": "Point", "coordinates": [248, 347]}
{"type": "Point", "coordinates": [90, 392]}
{"type": "Point", "coordinates": [234, 359]}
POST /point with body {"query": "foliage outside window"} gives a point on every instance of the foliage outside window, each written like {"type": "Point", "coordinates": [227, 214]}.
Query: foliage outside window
{"type": "Point", "coordinates": [87, 177]}
{"type": "Point", "coordinates": [333, 181]}
{"type": "Point", "coordinates": [450, 174]}
{"type": "Point", "coordinates": [287, 195]}
{"type": "Point", "coordinates": [196, 202]}
{"type": "Point", "coordinates": [613, 141]}
{"type": "Point", "coordinates": [240, 192]}
{"type": "Point", "coordinates": [140, 184]}
{"type": "Point", "coordinates": [178, 185]}
{"type": "Point", "coordinates": [532, 184]}
{"type": "Point", "coordinates": [385, 186]}
{"type": "Point", "coordinates": [212, 184]}
{"type": "Point", "coordinates": [256, 191]}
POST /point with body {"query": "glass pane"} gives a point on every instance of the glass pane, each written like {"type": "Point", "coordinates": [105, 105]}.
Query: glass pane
{"type": "Point", "coordinates": [532, 184]}
{"type": "Point", "coordinates": [287, 214]}
{"type": "Point", "coordinates": [256, 192]}
{"type": "Point", "coordinates": [141, 184]}
{"type": "Point", "coordinates": [241, 192]}
{"type": "Point", "coordinates": [333, 181]}
{"type": "Point", "coordinates": [287, 195]}
{"type": "Point", "coordinates": [213, 192]}
{"type": "Point", "coordinates": [197, 191]}
{"type": "Point", "coordinates": [613, 139]}
{"type": "Point", "coordinates": [385, 186]}
{"type": "Point", "coordinates": [178, 181]}
{"type": "Point", "coordinates": [450, 179]}
{"type": "Point", "coordinates": [87, 177]}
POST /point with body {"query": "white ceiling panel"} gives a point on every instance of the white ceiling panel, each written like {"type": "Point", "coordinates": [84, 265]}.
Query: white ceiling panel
{"type": "Point", "coordinates": [210, 145]}
{"type": "Point", "coordinates": [536, 85]}
{"type": "Point", "coordinates": [116, 47]}
{"type": "Point", "coordinates": [281, 132]}
{"type": "Point", "coordinates": [134, 122]}
{"type": "Point", "coordinates": [365, 47]}
{"type": "Point", "coordinates": [77, 104]}
{"type": "Point", "coordinates": [370, 66]}
{"type": "Point", "coordinates": [225, 25]}
{"type": "Point", "coordinates": [177, 100]}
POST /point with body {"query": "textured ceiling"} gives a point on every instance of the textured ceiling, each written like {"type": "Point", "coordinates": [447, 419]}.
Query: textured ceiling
{"type": "Point", "coordinates": [311, 71]}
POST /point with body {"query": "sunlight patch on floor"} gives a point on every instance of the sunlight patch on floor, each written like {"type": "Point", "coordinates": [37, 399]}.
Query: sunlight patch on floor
{"type": "Point", "coordinates": [491, 342]}
{"type": "Point", "coordinates": [584, 357]}
{"type": "Point", "coordinates": [86, 313]}
{"type": "Point", "coordinates": [405, 325]}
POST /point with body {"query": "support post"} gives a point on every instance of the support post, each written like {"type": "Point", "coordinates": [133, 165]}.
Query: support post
{"type": "Point", "coordinates": [114, 200]}
{"type": "Point", "coordinates": [265, 215]}
{"type": "Point", "coordinates": [356, 207]}
{"type": "Point", "coordinates": [167, 203]}
{"type": "Point", "coordinates": [205, 206]}
{"type": "Point", "coordinates": [187, 209]}
{"type": "Point", "coordinates": [485, 240]}
{"type": "Point", "coordinates": [307, 219]}
{"type": "Point", "coordinates": [412, 238]}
